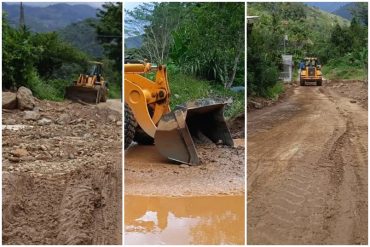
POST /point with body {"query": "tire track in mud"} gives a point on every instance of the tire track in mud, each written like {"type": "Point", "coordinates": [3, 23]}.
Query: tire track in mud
{"type": "Point", "coordinates": [81, 207]}
{"type": "Point", "coordinates": [67, 189]}
{"type": "Point", "coordinates": [346, 212]}
{"type": "Point", "coordinates": [310, 201]}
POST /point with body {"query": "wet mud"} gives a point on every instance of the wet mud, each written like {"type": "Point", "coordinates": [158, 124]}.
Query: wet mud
{"type": "Point", "coordinates": [307, 168]}
{"type": "Point", "coordinates": [221, 172]}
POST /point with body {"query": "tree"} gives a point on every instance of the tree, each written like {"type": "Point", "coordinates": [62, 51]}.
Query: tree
{"type": "Point", "coordinates": [109, 30]}
{"type": "Point", "coordinates": [210, 41]}
{"type": "Point", "coordinates": [155, 22]}
{"type": "Point", "coordinates": [53, 53]}
{"type": "Point", "coordinates": [18, 56]}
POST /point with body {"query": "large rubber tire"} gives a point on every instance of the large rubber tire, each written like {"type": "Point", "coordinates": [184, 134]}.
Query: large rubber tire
{"type": "Point", "coordinates": [319, 83]}
{"type": "Point", "coordinates": [98, 94]}
{"type": "Point", "coordinates": [301, 82]}
{"type": "Point", "coordinates": [143, 138]}
{"type": "Point", "coordinates": [104, 95]}
{"type": "Point", "coordinates": [130, 126]}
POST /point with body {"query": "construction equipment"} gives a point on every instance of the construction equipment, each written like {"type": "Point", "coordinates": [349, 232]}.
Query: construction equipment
{"type": "Point", "coordinates": [311, 72]}
{"type": "Point", "coordinates": [90, 87]}
{"type": "Point", "coordinates": [148, 118]}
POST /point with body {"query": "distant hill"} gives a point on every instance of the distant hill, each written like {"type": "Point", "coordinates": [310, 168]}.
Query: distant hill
{"type": "Point", "coordinates": [345, 11]}
{"type": "Point", "coordinates": [327, 6]}
{"type": "Point", "coordinates": [133, 42]}
{"type": "Point", "coordinates": [82, 35]}
{"type": "Point", "coordinates": [317, 21]}
{"type": "Point", "coordinates": [49, 18]}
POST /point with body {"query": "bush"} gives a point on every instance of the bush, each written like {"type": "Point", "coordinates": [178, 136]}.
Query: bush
{"type": "Point", "coordinates": [44, 90]}
{"type": "Point", "coordinates": [186, 88]}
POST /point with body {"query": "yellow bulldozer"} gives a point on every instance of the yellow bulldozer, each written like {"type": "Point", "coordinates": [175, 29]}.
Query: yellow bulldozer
{"type": "Point", "coordinates": [90, 87]}
{"type": "Point", "coordinates": [149, 119]}
{"type": "Point", "coordinates": [310, 72]}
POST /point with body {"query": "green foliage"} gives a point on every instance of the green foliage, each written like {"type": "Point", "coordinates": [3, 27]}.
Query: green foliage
{"type": "Point", "coordinates": [350, 66]}
{"type": "Point", "coordinates": [340, 45]}
{"type": "Point", "coordinates": [53, 53]}
{"type": "Point", "coordinates": [109, 30]}
{"type": "Point", "coordinates": [274, 91]}
{"type": "Point", "coordinates": [203, 39]}
{"type": "Point", "coordinates": [47, 64]}
{"type": "Point", "coordinates": [18, 56]}
{"type": "Point", "coordinates": [155, 22]}
{"type": "Point", "coordinates": [39, 61]}
{"type": "Point", "coordinates": [186, 88]}
{"type": "Point", "coordinates": [114, 79]}
{"type": "Point", "coordinates": [51, 90]}
{"type": "Point", "coordinates": [214, 47]}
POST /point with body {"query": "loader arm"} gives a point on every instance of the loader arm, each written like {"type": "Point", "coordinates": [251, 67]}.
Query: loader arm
{"type": "Point", "coordinates": [141, 93]}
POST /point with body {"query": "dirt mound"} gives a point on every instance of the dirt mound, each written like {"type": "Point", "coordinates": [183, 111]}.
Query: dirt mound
{"type": "Point", "coordinates": [62, 182]}
{"type": "Point", "coordinates": [237, 126]}
{"type": "Point", "coordinates": [255, 103]}
{"type": "Point", "coordinates": [353, 89]}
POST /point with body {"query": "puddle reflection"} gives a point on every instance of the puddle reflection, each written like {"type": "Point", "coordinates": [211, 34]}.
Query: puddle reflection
{"type": "Point", "coordinates": [184, 220]}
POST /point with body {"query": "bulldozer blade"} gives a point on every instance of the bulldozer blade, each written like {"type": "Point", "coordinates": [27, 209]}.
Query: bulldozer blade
{"type": "Point", "coordinates": [197, 122]}
{"type": "Point", "coordinates": [85, 94]}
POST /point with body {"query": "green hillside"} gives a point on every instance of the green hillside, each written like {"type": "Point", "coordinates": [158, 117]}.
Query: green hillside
{"type": "Point", "coordinates": [82, 35]}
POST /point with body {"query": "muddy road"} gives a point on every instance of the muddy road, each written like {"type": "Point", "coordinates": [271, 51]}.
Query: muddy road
{"type": "Point", "coordinates": [307, 167]}
{"type": "Point", "coordinates": [62, 181]}
{"type": "Point", "coordinates": [168, 203]}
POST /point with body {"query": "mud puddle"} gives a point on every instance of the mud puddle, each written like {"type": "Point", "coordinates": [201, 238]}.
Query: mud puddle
{"type": "Point", "coordinates": [184, 220]}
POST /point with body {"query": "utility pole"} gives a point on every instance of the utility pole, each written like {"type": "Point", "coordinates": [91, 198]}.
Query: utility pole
{"type": "Point", "coordinates": [285, 39]}
{"type": "Point", "coordinates": [21, 17]}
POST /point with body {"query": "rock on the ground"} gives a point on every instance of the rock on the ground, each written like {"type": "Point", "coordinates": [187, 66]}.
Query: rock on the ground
{"type": "Point", "coordinates": [31, 115]}
{"type": "Point", "coordinates": [20, 152]}
{"type": "Point", "coordinates": [112, 118]}
{"type": "Point", "coordinates": [9, 121]}
{"type": "Point", "coordinates": [25, 99]}
{"type": "Point", "coordinates": [44, 121]}
{"type": "Point", "coordinates": [9, 100]}
{"type": "Point", "coordinates": [64, 119]}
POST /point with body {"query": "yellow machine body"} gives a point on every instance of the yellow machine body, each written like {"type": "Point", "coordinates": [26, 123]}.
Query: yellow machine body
{"type": "Point", "coordinates": [145, 96]}
{"type": "Point", "coordinates": [175, 133]}
{"type": "Point", "coordinates": [90, 87]}
{"type": "Point", "coordinates": [311, 73]}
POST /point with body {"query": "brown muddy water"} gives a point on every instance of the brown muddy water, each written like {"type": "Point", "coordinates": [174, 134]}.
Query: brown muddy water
{"type": "Point", "coordinates": [184, 220]}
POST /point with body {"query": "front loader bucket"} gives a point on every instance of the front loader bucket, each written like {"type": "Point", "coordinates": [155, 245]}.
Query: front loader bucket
{"type": "Point", "coordinates": [195, 123]}
{"type": "Point", "coordinates": [85, 94]}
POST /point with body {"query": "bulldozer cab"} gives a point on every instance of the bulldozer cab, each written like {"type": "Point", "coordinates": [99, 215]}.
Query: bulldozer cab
{"type": "Point", "coordinates": [312, 62]}
{"type": "Point", "coordinates": [95, 69]}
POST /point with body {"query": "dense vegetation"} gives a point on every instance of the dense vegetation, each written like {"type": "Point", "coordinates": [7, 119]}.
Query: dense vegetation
{"type": "Point", "coordinates": [47, 63]}
{"type": "Point", "coordinates": [340, 45]}
{"type": "Point", "coordinates": [202, 44]}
